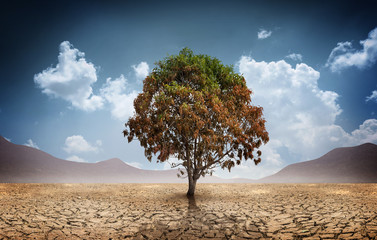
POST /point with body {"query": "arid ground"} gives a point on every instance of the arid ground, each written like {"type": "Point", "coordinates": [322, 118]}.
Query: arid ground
{"type": "Point", "coordinates": [162, 211]}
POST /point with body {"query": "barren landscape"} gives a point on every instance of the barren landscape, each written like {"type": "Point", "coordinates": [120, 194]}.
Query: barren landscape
{"type": "Point", "coordinates": [162, 211]}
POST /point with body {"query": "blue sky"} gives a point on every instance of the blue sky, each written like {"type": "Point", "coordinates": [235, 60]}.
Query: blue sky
{"type": "Point", "coordinates": [70, 71]}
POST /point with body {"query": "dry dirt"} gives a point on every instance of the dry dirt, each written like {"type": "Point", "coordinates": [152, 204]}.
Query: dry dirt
{"type": "Point", "coordinates": [162, 211]}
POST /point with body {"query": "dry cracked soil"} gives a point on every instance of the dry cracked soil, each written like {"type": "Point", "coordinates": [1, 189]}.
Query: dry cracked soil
{"type": "Point", "coordinates": [162, 211]}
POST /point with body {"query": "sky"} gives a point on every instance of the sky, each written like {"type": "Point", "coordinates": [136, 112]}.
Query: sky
{"type": "Point", "coordinates": [70, 71]}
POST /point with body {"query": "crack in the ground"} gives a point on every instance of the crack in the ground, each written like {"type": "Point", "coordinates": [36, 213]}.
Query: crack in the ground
{"type": "Point", "coordinates": [142, 211]}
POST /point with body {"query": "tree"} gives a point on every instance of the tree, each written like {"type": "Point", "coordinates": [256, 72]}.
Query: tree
{"type": "Point", "coordinates": [199, 111]}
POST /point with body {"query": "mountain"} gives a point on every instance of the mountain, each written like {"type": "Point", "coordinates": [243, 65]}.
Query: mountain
{"type": "Point", "coordinates": [24, 164]}
{"type": "Point", "coordinates": [342, 165]}
{"type": "Point", "coordinates": [20, 163]}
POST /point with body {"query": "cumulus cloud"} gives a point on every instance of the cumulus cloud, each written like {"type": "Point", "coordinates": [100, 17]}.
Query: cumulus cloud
{"type": "Point", "coordinates": [8, 139]}
{"type": "Point", "coordinates": [114, 91]}
{"type": "Point", "coordinates": [372, 97]}
{"type": "Point", "coordinates": [263, 34]}
{"type": "Point", "coordinates": [344, 55]}
{"type": "Point", "coordinates": [272, 158]}
{"type": "Point", "coordinates": [295, 57]}
{"type": "Point", "coordinates": [99, 142]}
{"type": "Point", "coordinates": [71, 79]}
{"type": "Point", "coordinates": [30, 143]}
{"type": "Point", "coordinates": [77, 144]}
{"type": "Point", "coordinates": [75, 158]}
{"type": "Point", "coordinates": [367, 132]}
{"type": "Point", "coordinates": [300, 116]}
{"type": "Point", "coordinates": [141, 70]}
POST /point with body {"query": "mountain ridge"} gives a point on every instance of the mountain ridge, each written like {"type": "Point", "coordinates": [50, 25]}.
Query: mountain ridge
{"type": "Point", "coordinates": [340, 165]}
{"type": "Point", "coordinates": [19, 163]}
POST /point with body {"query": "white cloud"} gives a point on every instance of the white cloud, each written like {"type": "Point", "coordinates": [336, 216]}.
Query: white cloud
{"type": "Point", "coordinates": [8, 139]}
{"type": "Point", "coordinates": [30, 143]}
{"type": "Point", "coordinates": [71, 79]}
{"type": "Point", "coordinates": [367, 132]}
{"type": "Point", "coordinates": [141, 70]}
{"type": "Point", "coordinates": [295, 57]}
{"type": "Point", "coordinates": [263, 34]}
{"type": "Point", "coordinates": [300, 116]}
{"type": "Point", "coordinates": [135, 164]}
{"type": "Point", "coordinates": [99, 143]}
{"type": "Point", "coordinates": [272, 157]}
{"type": "Point", "coordinates": [75, 158]}
{"type": "Point", "coordinates": [344, 55]}
{"type": "Point", "coordinates": [372, 97]}
{"type": "Point", "coordinates": [77, 144]}
{"type": "Point", "coordinates": [121, 103]}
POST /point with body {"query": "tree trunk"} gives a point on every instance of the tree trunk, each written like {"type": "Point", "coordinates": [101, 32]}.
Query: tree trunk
{"type": "Point", "coordinates": [192, 203]}
{"type": "Point", "coordinates": [192, 185]}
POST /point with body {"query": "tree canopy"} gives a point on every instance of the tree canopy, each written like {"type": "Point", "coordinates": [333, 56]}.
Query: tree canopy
{"type": "Point", "coordinates": [199, 111]}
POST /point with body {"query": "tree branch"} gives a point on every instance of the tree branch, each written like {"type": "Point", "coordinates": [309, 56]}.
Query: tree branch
{"type": "Point", "coordinates": [216, 161]}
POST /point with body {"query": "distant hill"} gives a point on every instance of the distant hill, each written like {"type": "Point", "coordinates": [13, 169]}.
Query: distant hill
{"type": "Point", "coordinates": [19, 163]}
{"type": "Point", "coordinates": [22, 164]}
{"type": "Point", "coordinates": [341, 165]}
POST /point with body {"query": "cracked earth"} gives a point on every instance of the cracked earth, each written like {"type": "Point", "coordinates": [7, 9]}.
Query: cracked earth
{"type": "Point", "coordinates": [162, 211]}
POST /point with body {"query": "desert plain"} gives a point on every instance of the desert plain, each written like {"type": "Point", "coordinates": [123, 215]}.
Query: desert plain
{"type": "Point", "coordinates": [162, 211]}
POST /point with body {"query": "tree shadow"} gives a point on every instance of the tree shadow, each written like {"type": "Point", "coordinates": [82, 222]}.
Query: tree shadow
{"type": "Point", "coordinates": [192, 223]}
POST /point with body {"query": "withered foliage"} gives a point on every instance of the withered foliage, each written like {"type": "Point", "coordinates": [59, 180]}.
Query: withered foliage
{"type": "Point", "coordinates": [199, 111]}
